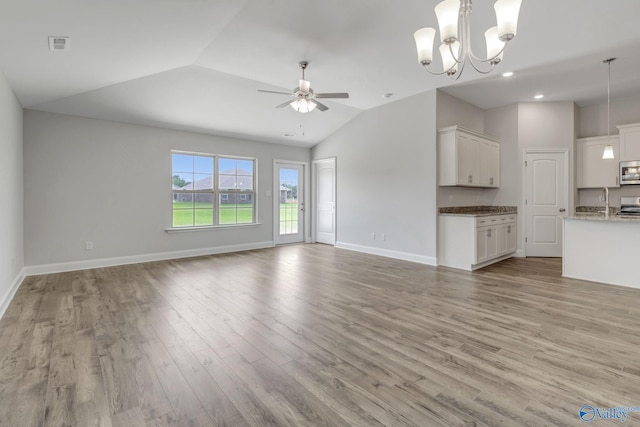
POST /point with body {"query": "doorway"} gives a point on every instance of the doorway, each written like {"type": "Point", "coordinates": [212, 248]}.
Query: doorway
{"type": "Point", "coordinates": [288, 203]}
{"type": "Point", "coordinates": [324, 215]}
{"type": "Point", "coordinates": [546, 201]}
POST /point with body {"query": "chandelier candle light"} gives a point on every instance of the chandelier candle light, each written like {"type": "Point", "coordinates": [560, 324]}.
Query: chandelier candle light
{"type": "Point", "coordinates": [454, 18]}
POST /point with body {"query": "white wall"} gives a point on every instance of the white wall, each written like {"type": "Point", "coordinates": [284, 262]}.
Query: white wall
{"type": "Point", "coordinates": [386, 179]}
{"type": "Point", "coordinates": [592, 121]}
{"type": "Point", "coordinates": [11, 195]}
{"type": "Point", "coordinates": [502, 124]}
{"type": "Point", "coordinates": [109, 183]}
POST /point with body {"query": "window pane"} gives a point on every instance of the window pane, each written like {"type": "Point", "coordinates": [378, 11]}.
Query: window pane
{"type": "Point", "coordinates": [227, 182]}
{"type": "Point", "coordinates": [202, 164]}
{"type": "Point", "coordinates": [181, 163]}
{"type": "Point", "coordinates": [226, 165]}
{"type": "Point", "coordinates": [202, 182]}
{"type": "Point", "coordinates": [245, 215]}
{"type": "Point", "coordinates": [182, 200]}
{"type": "Point", "coordinates": [245, 167]}
{"type": "Point", "coordinates": [227, 214]}
{"type": "Point", "coordinates": [182, 217]}
{"type": "Point", "coordinates": [204, 216]}
{"type": "Point", "coordinates": [203, 201]}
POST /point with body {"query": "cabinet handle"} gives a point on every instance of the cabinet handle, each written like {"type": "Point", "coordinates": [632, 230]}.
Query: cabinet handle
{"type": "Point", "coordinates": [508, 229]}
{"type": "Point", "coordinates": [470, 179]}
{"type": "Point", "coordinates": [488, 232]}
{"type": "Point", "coordinates": [491, 180]}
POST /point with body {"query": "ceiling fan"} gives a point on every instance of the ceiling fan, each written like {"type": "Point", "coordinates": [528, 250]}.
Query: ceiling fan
{"type": "Point", "coordinates": [304, 98]}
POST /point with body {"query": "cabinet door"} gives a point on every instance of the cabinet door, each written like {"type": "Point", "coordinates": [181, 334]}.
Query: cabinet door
{"type": "Point", "coordinates": [629, 142]}
{"type": "Point", "coordinates": [481, 245]}
{"type": "Point", "coordinates": [489, 163]}
{"type": "Point", "coordinates": [501, 237]}
{"type": "Point", "coordinates": [492, 242]}
{"type": "Point", "coordinates": [512, 238]}
{"type": "Point", "coordinates": [468, 166]}
{"type": "Point", "coordinates": [596, 171]}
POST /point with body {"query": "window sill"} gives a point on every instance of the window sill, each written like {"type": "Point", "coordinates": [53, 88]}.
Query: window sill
{"type": "Point", "coordinates": [211, 227]}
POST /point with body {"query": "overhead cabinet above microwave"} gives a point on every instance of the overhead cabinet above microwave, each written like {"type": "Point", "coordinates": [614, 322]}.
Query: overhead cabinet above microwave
{"type": "Point", "coordinates": [467, 159]}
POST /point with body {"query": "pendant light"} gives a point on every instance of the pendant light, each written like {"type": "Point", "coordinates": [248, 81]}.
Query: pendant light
{"type": "Point", "coordinates": [608, 154]}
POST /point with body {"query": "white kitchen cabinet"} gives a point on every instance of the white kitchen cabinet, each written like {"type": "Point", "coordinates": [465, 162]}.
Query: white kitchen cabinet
{"type": "Point", "coordinates": [489, 163]}
{"type": "Point", "coordinates": [470, 242]}
{"type": "Point", "coordinates": [467, 159]}
{"type": "Point", "coordinates": [592, 170]}
{"type": "Point", "coordinates": [629, 142]}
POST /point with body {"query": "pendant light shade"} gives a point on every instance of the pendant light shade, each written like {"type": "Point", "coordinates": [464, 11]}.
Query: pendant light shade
{"type": "Point", "coordinates": [448, 61]}
{"type": "Point", "coordinates": [495, 46]}
{"type": "Point", "coordinates": [608, 153]}
{"type": "Point", "coordinates": [424, 42]}
{"type": "Point", "coordinates": [447, 13]}
{"type": "Point", "coordinates": [507, 12]}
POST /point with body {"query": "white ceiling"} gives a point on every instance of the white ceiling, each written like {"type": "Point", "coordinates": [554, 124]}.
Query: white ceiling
{"type": "Point", "coordinates": [197, 64]}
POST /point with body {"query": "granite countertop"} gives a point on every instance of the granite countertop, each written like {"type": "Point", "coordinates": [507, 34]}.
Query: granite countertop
{"type": "Point", "coordinates": [478, 210]}
{"type": "Point", "coordinates": [596, 213]}
{"type": "Point", "coordinates": [600, 217]}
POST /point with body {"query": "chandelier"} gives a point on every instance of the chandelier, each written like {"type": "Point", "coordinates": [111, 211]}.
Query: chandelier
{"type": "Point", "coordinates": [454, 18]}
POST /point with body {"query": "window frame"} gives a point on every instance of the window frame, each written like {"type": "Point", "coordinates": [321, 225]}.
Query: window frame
{"type": "Point", "coordinates": [215, 192]}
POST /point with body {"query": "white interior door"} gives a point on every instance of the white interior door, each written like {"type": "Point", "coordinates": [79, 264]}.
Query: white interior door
{"type": "Point", "coordinates": [325, 200]}
{"type": "Point", "coordinates": [289, 203]}
{"type": "Point", "coordinates": [546, 199]}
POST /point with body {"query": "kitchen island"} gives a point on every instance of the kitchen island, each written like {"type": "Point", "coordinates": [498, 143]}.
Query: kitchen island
{"type": "Point", "coordinates": [602, 249]}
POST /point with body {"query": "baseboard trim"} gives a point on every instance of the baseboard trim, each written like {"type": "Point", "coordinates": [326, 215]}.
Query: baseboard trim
{"type": "Point", "coordinates": [405, 256]}
{"type": "Point", "coordinates": [33, 270]}
{"type": "Point", "coordinates": [8, 296]}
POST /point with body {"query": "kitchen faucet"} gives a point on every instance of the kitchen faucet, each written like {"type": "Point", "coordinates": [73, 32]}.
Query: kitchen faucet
{"type": "Point", "coordinates": [606, 202]}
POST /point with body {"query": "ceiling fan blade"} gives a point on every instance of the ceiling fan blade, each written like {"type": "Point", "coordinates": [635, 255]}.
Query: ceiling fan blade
{"type": "Point", "coordinates": [332, 95]}
{"type": "Point", "coordinates": [284, 104]}
{"type": "Point", "coordinates": [273, 91]}
{"type": "Point", "coordinates": [320, 106]}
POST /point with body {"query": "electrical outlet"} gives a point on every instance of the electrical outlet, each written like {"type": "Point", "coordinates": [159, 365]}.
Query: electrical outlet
{"type": "Point", "coordinates": [88, 246]}
{"type": "Point", "coordinates": [373, 236]}
{"type": "Point", "coordinates": [383, 237]}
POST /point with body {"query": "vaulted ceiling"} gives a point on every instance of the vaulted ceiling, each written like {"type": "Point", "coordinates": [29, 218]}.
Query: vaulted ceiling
{"type": "Point", "coordinates": [197, 64]}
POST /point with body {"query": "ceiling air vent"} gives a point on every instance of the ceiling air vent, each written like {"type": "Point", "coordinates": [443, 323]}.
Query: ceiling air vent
{"type": "Point", "coordinates": [59, 43]}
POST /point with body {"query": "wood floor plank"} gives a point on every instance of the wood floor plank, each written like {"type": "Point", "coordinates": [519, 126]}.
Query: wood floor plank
{"type": "Point", "coordinates": [314, 335]}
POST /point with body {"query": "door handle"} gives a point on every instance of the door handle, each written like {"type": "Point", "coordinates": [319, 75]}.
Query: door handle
{"type": "Point", "coordinates": [562, 209]}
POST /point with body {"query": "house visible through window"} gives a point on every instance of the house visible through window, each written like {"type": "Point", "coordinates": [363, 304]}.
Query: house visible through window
{"type": "Point", "coordinates": [212, 190]}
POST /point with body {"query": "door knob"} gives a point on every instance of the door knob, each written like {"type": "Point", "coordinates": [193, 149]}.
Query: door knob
{"type": "Point", "coordinates": [562, 209]}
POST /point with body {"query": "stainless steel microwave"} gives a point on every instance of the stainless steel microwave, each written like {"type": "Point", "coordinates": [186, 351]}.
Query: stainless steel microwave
{"type": "Point", "coordinates": [630, 172]}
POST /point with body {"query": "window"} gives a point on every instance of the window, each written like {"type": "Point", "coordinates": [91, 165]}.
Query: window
{"type": "Point", "coordinates": [212, 190]}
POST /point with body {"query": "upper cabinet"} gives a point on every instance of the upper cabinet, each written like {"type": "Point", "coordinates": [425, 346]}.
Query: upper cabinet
{"type": "Point", "coordinates": [592, 170]}
{"type": "Point", "coordinates": [629, 142]}
{"type": "Point", "coordinates": [467, 159]}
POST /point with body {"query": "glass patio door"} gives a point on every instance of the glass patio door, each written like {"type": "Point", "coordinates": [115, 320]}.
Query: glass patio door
{"type": "Point", "coordinates": [289, 201]}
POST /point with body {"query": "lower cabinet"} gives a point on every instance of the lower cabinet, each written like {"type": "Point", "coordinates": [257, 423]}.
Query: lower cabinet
{"type": "Point", "coordinates": [471, 242]}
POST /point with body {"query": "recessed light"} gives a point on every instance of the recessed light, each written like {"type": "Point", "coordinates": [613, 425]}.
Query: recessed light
{"type": "Point", "coordinates": [388, 95]}
{"type": "Point", "coordinates": [289, 134]}
{"type": "Point", "coordinates": [539, 96]}
{"type": "Point", "coordinates": [507, 74]}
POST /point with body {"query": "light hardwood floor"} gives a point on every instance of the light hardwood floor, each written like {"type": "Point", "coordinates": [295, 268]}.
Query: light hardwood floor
{"type": "Point", "coordinates": [310, 335]}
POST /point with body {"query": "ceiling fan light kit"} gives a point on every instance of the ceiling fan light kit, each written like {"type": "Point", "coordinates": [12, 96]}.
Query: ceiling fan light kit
{"type": "Point", "coordinates": [454, 23]}
{"type": "Point", "coordinates": [305, 99]}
